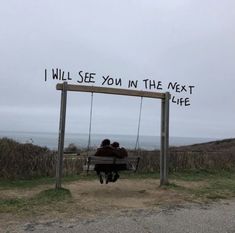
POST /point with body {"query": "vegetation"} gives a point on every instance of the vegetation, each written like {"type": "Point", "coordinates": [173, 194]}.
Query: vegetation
{"type": "Point", "coordinates": [24, 161]}
{"type": "Point", "coordinates": [217, 184]}
{"type": "Point", "coordinates": [72, 148]}
{"type": "Point", "coordinates": [198, 173]}
{"type": "Point", "coordinates": [27, 161]}
{"type": "Point", "coordinates": [45, 197]}
{"type": "Point", "coordinates": [32, 183]}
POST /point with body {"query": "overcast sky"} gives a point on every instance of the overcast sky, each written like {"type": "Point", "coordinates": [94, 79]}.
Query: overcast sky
{"type": "Point", "coordinates": [191, 42]}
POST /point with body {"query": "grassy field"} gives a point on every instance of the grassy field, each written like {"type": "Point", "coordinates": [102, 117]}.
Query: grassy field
{"type": "Point", "coordinates": [38, 196]}
{"type": "Point", "coordinates": [218, 185]}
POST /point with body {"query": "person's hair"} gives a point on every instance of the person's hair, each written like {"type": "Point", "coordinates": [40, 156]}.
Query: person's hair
{"type": "Point", "coordinates": [115, 144]}
{"type": "Point", "coordinates": [105, 142]}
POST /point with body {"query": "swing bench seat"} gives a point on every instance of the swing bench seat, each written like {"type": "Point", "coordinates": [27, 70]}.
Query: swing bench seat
{"type": "Point", "coordinates": [131, 163]}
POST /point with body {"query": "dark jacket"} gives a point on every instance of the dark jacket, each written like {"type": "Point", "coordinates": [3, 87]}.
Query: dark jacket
{"type": "Point", "coordinates": [106, 151]}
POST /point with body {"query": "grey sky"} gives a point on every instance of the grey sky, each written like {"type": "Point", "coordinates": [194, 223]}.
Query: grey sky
{"type": "Point", "coordinates": [190, 42]}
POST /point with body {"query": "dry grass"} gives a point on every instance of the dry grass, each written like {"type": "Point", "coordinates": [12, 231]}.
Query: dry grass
{"type": "Point", "coordinates": [24, 161]}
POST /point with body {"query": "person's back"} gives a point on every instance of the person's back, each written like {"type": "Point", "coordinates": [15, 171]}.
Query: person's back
{"type": "Point", "coordinates": [105, 151]}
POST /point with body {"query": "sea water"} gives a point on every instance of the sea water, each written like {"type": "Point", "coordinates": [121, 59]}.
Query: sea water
{"type": "Point", "coordinates": [50, 140]}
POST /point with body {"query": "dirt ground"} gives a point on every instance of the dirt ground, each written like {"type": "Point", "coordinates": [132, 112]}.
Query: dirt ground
{"type": "Point", "coordinates": [96, 206]}
{"type": "Point", "coordinates": [90, 198]}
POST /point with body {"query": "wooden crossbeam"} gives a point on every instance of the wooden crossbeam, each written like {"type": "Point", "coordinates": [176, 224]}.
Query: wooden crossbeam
{"type": "Point", "coordinates": [113, 91]}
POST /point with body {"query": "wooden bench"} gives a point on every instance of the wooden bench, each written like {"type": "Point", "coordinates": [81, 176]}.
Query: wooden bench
{"type": "Point", "coordinates": [131, 162]}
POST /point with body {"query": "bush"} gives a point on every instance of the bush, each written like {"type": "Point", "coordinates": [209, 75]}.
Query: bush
{"type": "Point", "coordinates": [24, 161]}
{"type": "Point", "coordinates": [72, 148]}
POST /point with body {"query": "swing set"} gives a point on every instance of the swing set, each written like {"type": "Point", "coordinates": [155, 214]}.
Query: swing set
{"type": "Point", "coordinates": [130, 162]}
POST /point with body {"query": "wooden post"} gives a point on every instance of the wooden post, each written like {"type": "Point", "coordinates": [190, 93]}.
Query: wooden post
{"type": "Point", "coordinates": [164, 140]}
{"type": "Point", "coordinates": [162, 143]}
{"type": "Point", "coordinates": [59, 163]}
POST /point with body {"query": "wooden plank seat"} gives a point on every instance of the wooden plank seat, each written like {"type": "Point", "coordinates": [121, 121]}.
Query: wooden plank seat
{"type": "Point", "coordinates": [131, 162]}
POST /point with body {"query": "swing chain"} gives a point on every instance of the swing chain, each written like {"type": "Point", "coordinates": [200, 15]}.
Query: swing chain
{"type": "Point", "coordinates": [89, 135]}
{"type": "Point", "coordinates": [137, 145]}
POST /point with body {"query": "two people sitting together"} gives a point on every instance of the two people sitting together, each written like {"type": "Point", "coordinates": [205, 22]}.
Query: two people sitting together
{"type": "Point", "coordinates": [110, 171]}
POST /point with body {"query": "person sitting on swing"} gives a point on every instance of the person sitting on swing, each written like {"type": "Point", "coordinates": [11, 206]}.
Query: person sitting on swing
{"type": "Point", "coordinates": [105, 150]}
{"type": "Point", "coordinates": [110, 150]}
{"type": "Point", "coordinates": [119, 153]}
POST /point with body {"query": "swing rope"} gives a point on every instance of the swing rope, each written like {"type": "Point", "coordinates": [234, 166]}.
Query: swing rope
{"type": "Point", "coordinates": [89, 135]}
{"type": "Point", "coordinates": [87, 161]}
{"type": "Point", "coordinates": [137, 145]}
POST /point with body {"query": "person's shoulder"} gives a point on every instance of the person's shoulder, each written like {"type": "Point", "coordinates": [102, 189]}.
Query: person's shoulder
{"type": "Point", "coordinates": [120, 152]}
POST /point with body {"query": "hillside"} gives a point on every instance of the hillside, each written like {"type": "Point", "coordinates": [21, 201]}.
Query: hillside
{"type": "Point", "coordinates": [219, 146]}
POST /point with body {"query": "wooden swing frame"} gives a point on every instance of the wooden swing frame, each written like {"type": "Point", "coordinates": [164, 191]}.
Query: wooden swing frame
{"type": "Point", "coordinates": [164, 148]}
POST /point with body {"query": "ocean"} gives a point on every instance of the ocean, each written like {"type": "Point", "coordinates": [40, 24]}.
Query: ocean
{"type": "Point", "coordinates": [50, 140]}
